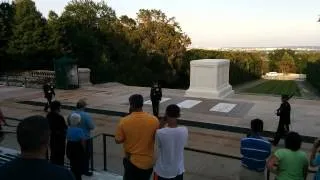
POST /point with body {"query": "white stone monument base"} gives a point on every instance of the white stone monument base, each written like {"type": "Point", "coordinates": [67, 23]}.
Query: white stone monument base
{"type": "Point", "coordinates": [209, 93]}
{"type": "Point", "coordinates": [209, 78]}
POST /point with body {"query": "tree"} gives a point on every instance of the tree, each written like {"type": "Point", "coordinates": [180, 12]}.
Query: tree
{"type": "Point", "coordinates": [29, 37]}
{"type": "Point", "coordinates": [286, 64]}
{"type": "Point", "coordinates": [276, 56]}
{"type": "Point", "coordinates": [6, 16]}
{"type": "Point", "coordinates": [56, 44]}
{"type": "Point", "coordinates": [162, 35]}
{"type": "Point", "coordinates": [86, 26]}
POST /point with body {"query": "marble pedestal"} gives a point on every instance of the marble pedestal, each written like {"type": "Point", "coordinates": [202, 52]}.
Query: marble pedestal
{"type": "Point", "coordinates": [84, 77]}
{"type": "Point", "coordinates": [209, 78]}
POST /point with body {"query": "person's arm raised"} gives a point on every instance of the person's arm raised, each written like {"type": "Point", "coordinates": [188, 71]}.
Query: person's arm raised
{"type": "Point", "coordinates": [313, 160]}
{"type": "Point", "coordinates": [162, 122]}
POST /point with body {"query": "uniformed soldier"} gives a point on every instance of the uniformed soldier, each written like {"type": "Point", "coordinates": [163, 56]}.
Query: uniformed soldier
{"type": "Point", "coordinates": [284, 119]}
{"type": "Point", "coordinates": [155, 96]}
{"type": "Point", "coordinates": [48, 90]}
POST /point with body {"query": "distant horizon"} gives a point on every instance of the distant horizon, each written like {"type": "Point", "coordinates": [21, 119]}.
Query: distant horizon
{"type": "Point", "coordinates": [317, 47]}
{"type": "Point", "coordinates": [228, 23]}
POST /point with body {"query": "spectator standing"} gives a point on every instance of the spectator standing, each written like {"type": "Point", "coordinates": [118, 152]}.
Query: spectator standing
{"type": "Point", "coordinates": [58, 130]}
{"type": "Point", "coordinates": [255, 150]}
{"type": "Point", "coordinates": [87, 126]}
{"type": "Point", "coordinates": [284, 119]}
{"type": "Point", "coordinates": [48, 90]}
{"type": "Point", "coordinates": [315, 158]}
{"type": "Point", "coordinates": [137, 133]}
{"type": "Point", "coordinates": [2, 122]}
{"type": "Point", "coordinates": [156, 96]}
{"type": "Point", "coordinates": [290, 163]}
{"type": "Point", "coordinates": [76, 146]}
{"type": "Point", "coordinates": [170, 142]}
{"type": "Point", "coordinates": [33, 138]}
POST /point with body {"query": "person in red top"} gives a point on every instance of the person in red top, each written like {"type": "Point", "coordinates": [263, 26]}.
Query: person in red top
{"type": "Point", "coordinates": [2, 122]}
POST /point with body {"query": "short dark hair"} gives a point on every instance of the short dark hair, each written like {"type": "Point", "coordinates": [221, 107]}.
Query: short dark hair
{"type": "Point", "coordinates": [256, 125]}
{"type": "Point", "coordinates": [293, 141]}
{"type": "Point", "coordinates": [285, 96]}
{"type": "Point", "coordinates": [55, 105]}
{"type": "Point", "coordinates": [173, 111]}
{"type": "Point", "coordinates": [33, 133]}
{"type": "Point", "coordinates": [81, 104]}
{"type": "Point", "coordinates": [136, 101]}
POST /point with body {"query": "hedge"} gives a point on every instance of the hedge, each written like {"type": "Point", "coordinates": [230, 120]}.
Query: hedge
{"type": "Point", "coordinates": [313, 74]}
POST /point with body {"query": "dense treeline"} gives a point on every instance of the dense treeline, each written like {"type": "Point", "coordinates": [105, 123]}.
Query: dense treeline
{"type": "Point", "coordinates": [289, 61]}
{"type": "Point", "coordinates": [313, 74]}
{"type": "Point", "coordinates": [132, 51]}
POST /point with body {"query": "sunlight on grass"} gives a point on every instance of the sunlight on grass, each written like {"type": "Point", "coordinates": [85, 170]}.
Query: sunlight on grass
{"type": "Point", "coordinates": [276, 87]}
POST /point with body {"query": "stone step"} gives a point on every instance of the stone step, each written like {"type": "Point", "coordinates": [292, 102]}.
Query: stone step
{"type": "Point", "coordinates": [103, 176]}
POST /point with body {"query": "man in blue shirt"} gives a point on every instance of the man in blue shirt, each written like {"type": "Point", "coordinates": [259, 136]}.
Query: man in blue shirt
{"type": "Point", "coordinates": [255, 150]}
{"type": "Point", "coordinates": [87, 126]}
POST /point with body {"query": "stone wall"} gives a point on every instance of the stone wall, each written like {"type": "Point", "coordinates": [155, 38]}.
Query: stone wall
{"type": "Point", "coordinates": [282, 76]}
{"type": "Point", "coordinates": [36, 78]}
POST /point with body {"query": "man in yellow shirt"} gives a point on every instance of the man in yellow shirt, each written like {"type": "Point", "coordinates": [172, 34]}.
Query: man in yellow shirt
{"type": "Point", "coordinates": [137, 133]}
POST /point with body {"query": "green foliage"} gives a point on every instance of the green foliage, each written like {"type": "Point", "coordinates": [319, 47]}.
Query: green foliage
{"type": "Point", "coordinates": [28, 43]}
{"type": "Point", "coordinates": [6, 18]}
{"type": "Point", "coordinates": [287, 64]}
{"type": "Point", "coordinates": [313, 74]}
{"type": "Point", "coordinates": [134, 51]}
{"type": "Point", "coordinates": [289, 61]}
{"type": "Point", "coordinates": [276, 87]}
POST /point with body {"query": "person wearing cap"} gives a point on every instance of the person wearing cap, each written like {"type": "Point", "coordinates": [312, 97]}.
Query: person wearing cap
{"type": "Point", "coordinates": [137, 134]}
{"type": "Point", "coordinates": [48, 90]}
{"type": "Point", "coordinates": [76, 145]}
{"type": "Point", "coordinates": [284, 119]}
{"type": "Point", "coordinates": [87, 125]}
{"type": "Point", "coordinates": [155, 96]}
{"type": "Point", "coordinates": [58, 128]}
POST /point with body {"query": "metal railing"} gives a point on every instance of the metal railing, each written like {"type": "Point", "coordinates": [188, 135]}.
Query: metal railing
{"type": "Point", "coordinates": [105, 157]}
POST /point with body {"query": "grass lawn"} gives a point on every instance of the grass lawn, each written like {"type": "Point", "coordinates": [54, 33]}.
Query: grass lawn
{"type": "Point", "coordinates": [276, 87]}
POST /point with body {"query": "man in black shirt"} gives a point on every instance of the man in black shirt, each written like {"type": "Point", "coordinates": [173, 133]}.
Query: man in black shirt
{"type": "Point", "coordinates": [284, 119]}
{"type": "Point", "coordinates": [155, 96]}
{"type": "Point", "coordinates": [33, 138]}
{"type": "Point", "coordinates": [58, 128]}
{"type": "Point", "coordinates": [48, 90]}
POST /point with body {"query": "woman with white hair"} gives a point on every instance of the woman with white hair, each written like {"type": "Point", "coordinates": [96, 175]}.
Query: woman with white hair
{"type": "Point", "coordinates": [76, 145]}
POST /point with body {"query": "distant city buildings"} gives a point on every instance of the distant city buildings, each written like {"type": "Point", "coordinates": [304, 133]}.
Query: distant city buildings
{"type": "Point", "coordinates": [265, 49]}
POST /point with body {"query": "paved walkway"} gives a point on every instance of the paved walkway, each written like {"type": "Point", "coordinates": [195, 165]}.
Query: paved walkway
{"type": "Point", "coordinates": [236, 110]}
{"type": "Point", "coordinates": [199, 166]}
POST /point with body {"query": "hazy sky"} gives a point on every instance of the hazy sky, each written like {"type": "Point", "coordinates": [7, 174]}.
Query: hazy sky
{"type": "Point", "coordinates": [229, 23]}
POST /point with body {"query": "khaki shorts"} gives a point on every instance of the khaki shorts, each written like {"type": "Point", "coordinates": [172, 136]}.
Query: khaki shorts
{"type": "Point", "coordinates": [246, 174]}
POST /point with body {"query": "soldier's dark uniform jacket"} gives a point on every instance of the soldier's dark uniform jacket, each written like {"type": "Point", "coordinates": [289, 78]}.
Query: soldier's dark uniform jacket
{"type": "Point", "coordinates": [156, 94]}
{"type": "Point", "coordinates": [48, 90]}
{"type": "Point", "coordinates": [284, 113]}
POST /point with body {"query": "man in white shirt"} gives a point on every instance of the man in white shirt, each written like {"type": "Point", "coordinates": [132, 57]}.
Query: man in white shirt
{"type": "Point", "coordinates": [170, 141]}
